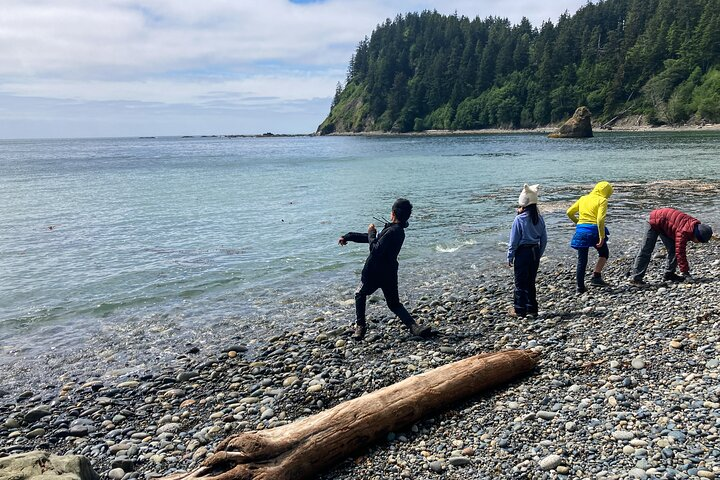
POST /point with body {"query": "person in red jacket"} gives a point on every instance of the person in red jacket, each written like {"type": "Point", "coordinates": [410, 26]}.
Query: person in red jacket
{"type": "Point", "coordinates": [675, 229]}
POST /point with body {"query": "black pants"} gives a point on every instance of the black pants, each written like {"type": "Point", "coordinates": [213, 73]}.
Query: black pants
{"type": "Point", "coordinates": [603, 252]}
{"type": "Point", "coordinates": [643, 257]}
{"type": "Point", "coordinates": [525, 266]}
{"type": "Point", "coordinates": [390, 290]}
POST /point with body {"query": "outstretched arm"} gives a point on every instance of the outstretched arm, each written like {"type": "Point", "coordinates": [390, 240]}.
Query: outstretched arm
{"type": "Point", "coordinates": [354, 237]}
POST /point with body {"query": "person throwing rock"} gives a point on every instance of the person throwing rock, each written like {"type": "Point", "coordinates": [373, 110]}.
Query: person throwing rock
{"type": "Point", "coordinates": [675, 230]}
{"type": "Point", "coordinates": [381, 268]}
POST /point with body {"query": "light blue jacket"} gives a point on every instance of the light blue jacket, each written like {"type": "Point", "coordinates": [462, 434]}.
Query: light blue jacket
{"type": "Point", "coordinates": [525, 232]}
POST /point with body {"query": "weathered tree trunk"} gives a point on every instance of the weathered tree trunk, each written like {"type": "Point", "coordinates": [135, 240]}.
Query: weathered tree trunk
{"type": "Point", "coordinates": [306, 447]}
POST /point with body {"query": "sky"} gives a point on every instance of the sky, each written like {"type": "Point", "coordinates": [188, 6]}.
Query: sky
{"type": "Point", "coordinates": [115, 68]}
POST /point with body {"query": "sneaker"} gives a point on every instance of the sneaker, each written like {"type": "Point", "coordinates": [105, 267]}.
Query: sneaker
{"type": "Point", "coordinates": [673, 277]}
{"type": "Point", "coordinates": [419, 330]}
{"type": "Point", "coordinates": [360, 331]}
{"type": "Point", "coordinates": [597, 282]}
{"type": "Point", "coordinates": [638, 282]}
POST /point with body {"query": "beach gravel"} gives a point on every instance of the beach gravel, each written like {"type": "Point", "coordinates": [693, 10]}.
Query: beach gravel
{"type": "Point", "coordinates": [627, 386]}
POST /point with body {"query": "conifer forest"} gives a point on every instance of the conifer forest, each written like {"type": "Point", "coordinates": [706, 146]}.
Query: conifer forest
{"type": "Point", "coordinates": [422, 71]}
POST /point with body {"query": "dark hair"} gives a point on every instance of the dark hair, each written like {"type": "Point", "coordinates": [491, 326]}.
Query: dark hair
{"type": "Point", "coordinates": [534, 213]}
{"type": "Point", "coordinates": [402, 208]}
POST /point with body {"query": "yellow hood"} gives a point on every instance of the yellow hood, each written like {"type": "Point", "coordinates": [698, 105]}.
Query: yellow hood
{"type": "Point", "coordinates": [604, 189]}
{"type": "Point", "coordinates": [592, 208]}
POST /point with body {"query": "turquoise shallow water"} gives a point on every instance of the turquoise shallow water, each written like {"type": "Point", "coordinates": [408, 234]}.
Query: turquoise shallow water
{"type": "Point", "coordinates": [123, 241]}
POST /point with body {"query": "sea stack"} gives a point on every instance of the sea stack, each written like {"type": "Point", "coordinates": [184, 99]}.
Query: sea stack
{"type": "Point", "coordinates": [577, 127]}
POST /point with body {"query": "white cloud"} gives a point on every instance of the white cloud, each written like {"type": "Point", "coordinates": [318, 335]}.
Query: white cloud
{"type": "Point", "coordinates": [76, 38]}
{"type": "Point", "coordinates": [536, 11]}
{"type": "Point", "coordinates": [280, 88]}
{"type": "Point", "coordinates": [190, 53]}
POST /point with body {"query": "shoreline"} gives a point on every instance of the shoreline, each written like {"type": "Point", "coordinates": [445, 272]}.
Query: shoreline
{"type": "Point", "coordinates": [134, 343]}
{"type": "Point", "coordinates": [540, 130]}
{"type": "Point", "coordinates": [626, 386]}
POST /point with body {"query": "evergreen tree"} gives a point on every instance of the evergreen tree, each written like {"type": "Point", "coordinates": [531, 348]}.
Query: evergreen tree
{"type": "Point", "coordinates": [336, 98]}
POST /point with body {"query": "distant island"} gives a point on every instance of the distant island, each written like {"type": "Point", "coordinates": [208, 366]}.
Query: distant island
{"type": "Point", "coordinates": [250, 135]}
{"type": "Point", "coordinates": [656, 62]}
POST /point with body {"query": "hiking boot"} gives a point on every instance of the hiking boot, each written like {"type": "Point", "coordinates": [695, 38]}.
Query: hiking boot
{"type": "Point", "coordinates": [673, 277]}
{"type": "Point", "coordinates": [359, 333]}
{"type": "Point", "coordinates": [597, 282]}
{"type": "Point", "coordinates": [419, 330]}
{"type": "Point", "coordinates": [637, 282]}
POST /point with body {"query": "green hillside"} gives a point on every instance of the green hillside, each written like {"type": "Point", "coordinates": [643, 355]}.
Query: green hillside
{"type": "Point", "coordinates": [420, 71]}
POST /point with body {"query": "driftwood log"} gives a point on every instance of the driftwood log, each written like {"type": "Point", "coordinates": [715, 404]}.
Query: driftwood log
{"type": "Point", "coordinates": [302, 449]}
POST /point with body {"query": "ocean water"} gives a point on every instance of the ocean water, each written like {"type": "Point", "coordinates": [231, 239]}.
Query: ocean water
{"type": "Point", "coordinates": [133, 246]}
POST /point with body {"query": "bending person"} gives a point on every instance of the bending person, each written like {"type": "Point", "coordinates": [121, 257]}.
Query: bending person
{"type": "Point", "coordinates": [588, 214]}
{"type": "Point", "coordinates": [675, 229]}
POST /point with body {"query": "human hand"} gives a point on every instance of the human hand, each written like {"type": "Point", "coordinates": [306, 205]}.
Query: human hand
{"type": "Point", "coordinates": [371, 228]}
{"type": "Point", "coordinates": [342, 241]}
{"type": "Point", "coordinates": [600, 243]}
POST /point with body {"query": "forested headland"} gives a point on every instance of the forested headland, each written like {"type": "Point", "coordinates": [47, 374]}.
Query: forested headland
{"type": "Point", "coordinates": [422, 71]}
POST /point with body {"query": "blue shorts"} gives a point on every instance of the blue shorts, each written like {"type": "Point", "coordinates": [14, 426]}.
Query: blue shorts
{"type": "Point", "coordinates": [586, 236]}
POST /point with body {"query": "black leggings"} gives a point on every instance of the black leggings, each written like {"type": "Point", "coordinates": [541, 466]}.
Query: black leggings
{"type": "Point", "coordinates": [525, 266]}
{"type": "Point", "coordinates": [603, 252]}
{"type": "Point", "coordinates": [390, 290]}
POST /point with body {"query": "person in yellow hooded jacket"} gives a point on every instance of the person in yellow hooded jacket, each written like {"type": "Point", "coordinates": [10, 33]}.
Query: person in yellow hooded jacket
{"type": "Point", "coordinates": [588, 214]}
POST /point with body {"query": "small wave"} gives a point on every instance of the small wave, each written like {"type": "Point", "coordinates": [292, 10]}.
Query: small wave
{"type": "Point", "coordinates": [485, 154]}
{"type": "Point", "coordinates": [453, 248]}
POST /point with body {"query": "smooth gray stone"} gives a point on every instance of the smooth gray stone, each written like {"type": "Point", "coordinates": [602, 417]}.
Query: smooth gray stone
{"type": "Point", "coordinates": [185, 376]}
{"type": "Point", "coordinates": [623, 435]}
{"type": "Point", "coordinates": [550, 462]}
{"type": "Point", "coordinates": [36, 414]}
{"type": "Point", "coordinates": [638, 473]}
{"type": "Point", "coordinates": [116, 474]}
{"type": "Point", "coordinates": [459, 461]}
{"type": "Point", "coordinates": [546, 415]}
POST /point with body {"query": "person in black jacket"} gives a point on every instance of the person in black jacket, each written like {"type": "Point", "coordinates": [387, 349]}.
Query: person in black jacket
{"type": "Point", "coordinates": [381, 268]}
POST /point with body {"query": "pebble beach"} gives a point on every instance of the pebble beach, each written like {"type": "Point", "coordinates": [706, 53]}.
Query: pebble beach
{"type": "Point", "coordinates": [627, 386]}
